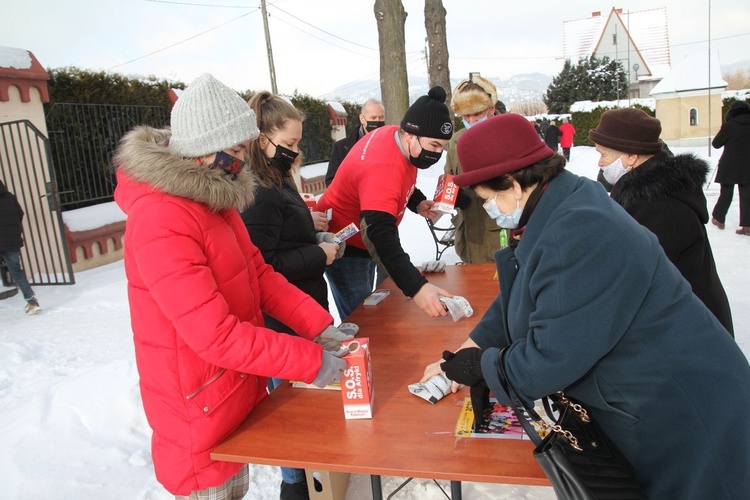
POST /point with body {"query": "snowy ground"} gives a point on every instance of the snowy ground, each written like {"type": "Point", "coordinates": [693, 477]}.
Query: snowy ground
{"type": "Point", "coordinates": [71, 420]}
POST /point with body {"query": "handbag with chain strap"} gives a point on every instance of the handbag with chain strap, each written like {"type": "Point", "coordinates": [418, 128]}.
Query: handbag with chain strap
{"type": "Point", "coordinates": [576, 456]}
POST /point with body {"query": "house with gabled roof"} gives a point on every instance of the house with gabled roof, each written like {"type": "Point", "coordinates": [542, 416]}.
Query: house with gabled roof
{"type": "Point", "coordinates": [689, 100]}
{"type": "Point", "coordinates": [639, 40]}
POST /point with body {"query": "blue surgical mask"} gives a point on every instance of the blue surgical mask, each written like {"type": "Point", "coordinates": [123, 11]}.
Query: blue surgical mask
{"type": "Point", "coordinates": [506, 221]}
{"type": "Point", "coordinates": [614, 171]}
{"type": "Point", "coordinates": [469, 125]}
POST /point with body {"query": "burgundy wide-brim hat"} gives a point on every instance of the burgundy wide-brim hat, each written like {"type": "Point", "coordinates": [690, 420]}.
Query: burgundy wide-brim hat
{"type": "Point", "coordinates": [498, 146]}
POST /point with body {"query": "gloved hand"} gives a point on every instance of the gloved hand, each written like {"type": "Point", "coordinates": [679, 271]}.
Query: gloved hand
{"type": "Point", "coordinates": [433, 266]}
{"type": "Point", "coordinates": [331, 339]}
{"type": "Point", "coordinates": [349, 329]}
{"type": "Point", "coordinates": [464, 366]}
{"type": "Point", "coordinates": [324, 237]}
{"type": "Point", "coordinates": [331, 370]}
{"type": "Point", "coordinates": [480, 403]}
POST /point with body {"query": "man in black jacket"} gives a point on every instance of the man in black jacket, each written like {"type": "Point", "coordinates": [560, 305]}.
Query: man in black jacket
{"type": "Point", "coordinates": [371, 117]}
{"type": "Point", "coordinates": [665, 194]}
{"type": "Point", "coordinates": [11, 241]}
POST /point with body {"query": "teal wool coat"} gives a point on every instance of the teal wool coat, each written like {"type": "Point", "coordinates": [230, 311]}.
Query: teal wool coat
{"type": "Point", "coordinates": [591, 305]}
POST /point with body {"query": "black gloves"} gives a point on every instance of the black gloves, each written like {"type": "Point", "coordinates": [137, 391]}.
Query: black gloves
{"type": "Point", "coordinates": [465, 367]}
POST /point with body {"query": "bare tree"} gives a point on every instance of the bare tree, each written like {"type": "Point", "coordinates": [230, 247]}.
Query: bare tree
{"type": "Point", "coordinates": [437, 46]}
{"type": "Point", "coordinates": [529, 108]}
{"type": "Point", "coordinates": [394, 85]}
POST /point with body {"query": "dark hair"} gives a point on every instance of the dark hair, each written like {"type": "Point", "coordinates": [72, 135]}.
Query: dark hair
{"type": "Point", "coordinates": [540, 172]}
{"type": "Point", "coordinates": [271, 112]}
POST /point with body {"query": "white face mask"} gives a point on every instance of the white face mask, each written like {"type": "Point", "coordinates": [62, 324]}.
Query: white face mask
{"type": "Point", "coordinates": [469, 125]}
{"type": "Point", "coordinates": [506, 221]}
{"type": "Point", "coordinates": [614, 171]}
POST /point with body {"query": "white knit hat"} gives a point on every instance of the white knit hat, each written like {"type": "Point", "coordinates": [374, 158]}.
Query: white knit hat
{"type": "Point", "coordinates": [210, 117]}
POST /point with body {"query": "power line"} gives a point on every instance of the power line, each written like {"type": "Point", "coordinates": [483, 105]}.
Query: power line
{"type": "Point", "coordinates": [322, 39]}
{"type": "Point", "coordinates": [183, 41]}
{"type": "Point", "coordinates": [324, 31]}
{"type": "Point", "coordinates": [200, 4]}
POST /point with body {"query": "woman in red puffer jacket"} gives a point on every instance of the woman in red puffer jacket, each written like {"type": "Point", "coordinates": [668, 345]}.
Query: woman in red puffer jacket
{"type": "Point", "coordinates": [197, 287]}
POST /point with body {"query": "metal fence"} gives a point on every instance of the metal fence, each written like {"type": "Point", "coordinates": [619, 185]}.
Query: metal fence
{"type": "Point", "coordinates": [83, 138]}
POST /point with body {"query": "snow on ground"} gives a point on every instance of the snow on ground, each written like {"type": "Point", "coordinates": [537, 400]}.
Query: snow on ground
{"type": "Point", "coordinates": [71, 420]}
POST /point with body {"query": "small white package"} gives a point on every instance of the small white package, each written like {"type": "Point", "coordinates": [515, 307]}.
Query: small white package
{"type": "Point", "coordinates": [435, 389]}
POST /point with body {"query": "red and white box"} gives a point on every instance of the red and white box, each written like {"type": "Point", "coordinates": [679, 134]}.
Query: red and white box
{"type": "Point", "coordinates": [356, 383]}
{"type": "Point", "coordinates": [310, 201]}
{"type": "Point", "coordinates": [445, 194]}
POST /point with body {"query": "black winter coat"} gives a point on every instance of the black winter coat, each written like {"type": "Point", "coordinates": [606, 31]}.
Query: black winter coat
{"type": "Point", "coordinates": [552, 137]}
{"type": "Point", "coordinates": [665, 195]}
{"type": "Point", "coordinates": [280, 225]}
{"type": "Point", "coordinates": [734, 136]}
{"type": "Point", "coordinates": [339, 151]}
{"type": "Point", "coordinates": [11, 216]}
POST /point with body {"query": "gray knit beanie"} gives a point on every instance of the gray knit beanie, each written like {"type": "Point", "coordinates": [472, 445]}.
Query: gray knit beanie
{"type": "Point", "coordinates": [210, 117]}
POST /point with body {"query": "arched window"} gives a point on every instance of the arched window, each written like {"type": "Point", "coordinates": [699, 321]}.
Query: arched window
{"type": "Point", "coordinates": [693, 117]}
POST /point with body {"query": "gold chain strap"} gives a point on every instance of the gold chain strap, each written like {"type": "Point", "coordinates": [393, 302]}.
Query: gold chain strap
{"type": "Point", "coordinates": [566, 434]}
{"type": "Point", "coordinates": [575, 406]}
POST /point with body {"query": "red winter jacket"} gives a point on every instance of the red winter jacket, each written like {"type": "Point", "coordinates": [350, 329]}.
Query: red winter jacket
{"type": "Point", "coordinates": [197, 287]}
{"type": "Point", "coordinates": [567, 132]}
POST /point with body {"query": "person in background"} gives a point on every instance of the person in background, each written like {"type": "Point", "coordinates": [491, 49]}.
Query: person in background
{"type": "Point", "coordinates": [552, 136]}
{"type": "Point", "coordinates": [567, 132]}
{"type": "Point", "coordinates": [280, 225]}
{"type": "Point", "coordinates": [477, 237]}
{"type": "Point", "coordinates": [734, 165]}
{"type": "Point", "coordinates": [11, 241]}
{"type": "Point", "coordinates": [665, 194]}
{"type": "Point", "coordinates": [371, 118]}
{"type": "Point", "coordinates": [590, 305]}
{"type": "Point", "coordinates": [198, 288]}
{"type": "Point", "coordinates": [374, 185]}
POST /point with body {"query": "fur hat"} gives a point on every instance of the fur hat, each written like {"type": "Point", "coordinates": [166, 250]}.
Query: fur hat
{"type": "Point", "coordinates": [210, 117]}
{"type": "Point", "coordinates": [469, 100]}
{"type": "Point", "coordinates": [498, 146]}
{"type": "Point", "coordinates": [429, 116]}
{"type": "Point", "coordinates": [628, 130]}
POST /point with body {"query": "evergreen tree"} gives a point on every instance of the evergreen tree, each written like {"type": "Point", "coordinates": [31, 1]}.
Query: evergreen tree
{"type": "Point", "coordinates": [592, 79]}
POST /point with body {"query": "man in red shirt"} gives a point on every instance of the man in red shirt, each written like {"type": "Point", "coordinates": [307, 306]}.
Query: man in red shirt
{"type": "Point", "coordinates": [567, 131]}
{"type": "Point", "coordinates": [373, 187]}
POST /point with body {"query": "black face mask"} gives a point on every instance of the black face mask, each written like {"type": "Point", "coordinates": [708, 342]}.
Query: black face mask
{"type": "Point", "coordinates": [373, 125]}
{"type": "Point", "coordinates": [283, 158]}
{"type": "Point", "coordinates": [425, 159]}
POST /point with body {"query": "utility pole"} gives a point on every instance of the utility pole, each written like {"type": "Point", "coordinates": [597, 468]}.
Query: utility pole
{"type": "Point", "coordinates": [271, 68]}
{"type": "Point", "coordinates": [709, 78]}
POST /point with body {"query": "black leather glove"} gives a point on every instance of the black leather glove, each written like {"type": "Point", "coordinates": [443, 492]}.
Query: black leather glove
{"type": "Point", "coordinates": [463, 366]}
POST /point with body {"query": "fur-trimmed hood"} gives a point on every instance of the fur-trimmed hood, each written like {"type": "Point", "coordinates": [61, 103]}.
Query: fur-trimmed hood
{"type": "Point", "coordinates": [144, 158]}
{"type": "Point", "coordinates": [662, 176]}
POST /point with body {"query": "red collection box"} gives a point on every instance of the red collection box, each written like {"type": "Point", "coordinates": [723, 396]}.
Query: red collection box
{"type": "Point", "coordinates": [310, 201]}
{"type": "Point", "coordinates": [356, 384]}
{"type": "Point", "coordinates": [445, 194]}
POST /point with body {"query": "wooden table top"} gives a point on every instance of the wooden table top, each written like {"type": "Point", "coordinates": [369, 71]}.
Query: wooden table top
{"type": "Point", "coordinates": [407, 436]}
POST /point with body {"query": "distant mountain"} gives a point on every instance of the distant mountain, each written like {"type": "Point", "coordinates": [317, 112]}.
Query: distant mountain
{"type": "Point", "coordinates": [527, 87]}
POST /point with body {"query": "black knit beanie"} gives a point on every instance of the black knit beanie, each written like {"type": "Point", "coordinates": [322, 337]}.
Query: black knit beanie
{"type": "Point", "coordinates": [628, 130]}
{"type": "Point", "coordinates": [429, 116]}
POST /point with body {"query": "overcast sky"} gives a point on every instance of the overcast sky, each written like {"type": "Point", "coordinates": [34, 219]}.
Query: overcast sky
{"type": "Point", "coordinates": [319, 45]}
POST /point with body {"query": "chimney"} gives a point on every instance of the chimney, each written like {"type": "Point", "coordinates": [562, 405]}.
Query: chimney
{"type": "Point", "coordinates": [619, 11]}
{"type": "Point", "coordinates": [596, 13]}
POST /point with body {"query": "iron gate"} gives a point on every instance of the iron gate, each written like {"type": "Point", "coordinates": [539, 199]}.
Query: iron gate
{"type": "Point", "coordinates": [26, 169]}
{"type": "Point", "coordinates": [83, 138]}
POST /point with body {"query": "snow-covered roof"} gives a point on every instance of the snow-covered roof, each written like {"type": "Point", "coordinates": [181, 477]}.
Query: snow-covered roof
{"type": "Point", "coordinates": [648, 34]}
{"type": "Point", "coordinates": [691, 73]}
{"type": "Point", "coordinates": [742, 95]}
{"type": "Point", "coordinates": [11, 57]}
{"type": "Point", "coordinates": [337, 107]}
{"type": "Point", "coordinates": [585, 106]}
